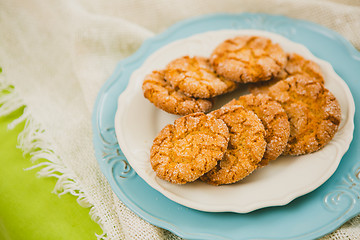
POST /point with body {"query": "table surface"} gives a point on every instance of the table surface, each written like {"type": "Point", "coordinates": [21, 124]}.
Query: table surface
{"type": "Point", "coordinates": [28, 208]}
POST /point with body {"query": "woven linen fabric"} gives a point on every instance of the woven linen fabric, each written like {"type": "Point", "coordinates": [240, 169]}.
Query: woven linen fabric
{"type": "Point", "coordinates": [57, 54]}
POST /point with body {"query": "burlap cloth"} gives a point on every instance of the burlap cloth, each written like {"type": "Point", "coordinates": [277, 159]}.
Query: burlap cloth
{"type": "Point", "coordinates": [57, 54]}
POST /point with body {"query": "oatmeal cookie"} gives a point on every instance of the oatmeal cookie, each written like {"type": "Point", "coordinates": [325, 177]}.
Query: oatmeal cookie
{"type": "Point", "coordinates": [158, 91]}
{"type": "Point", "coordinates": [246, 146]}
{"type": "Point", "coordinates": [274, 119]}
{"type": "Point", "coordinates": [248, 59]}
{"type": "Point", "coordinates": [195, 78]}
{"type": "Point", "coordinates": [190, 147]}
{"type": "Point", "coordinates": [313, 112]}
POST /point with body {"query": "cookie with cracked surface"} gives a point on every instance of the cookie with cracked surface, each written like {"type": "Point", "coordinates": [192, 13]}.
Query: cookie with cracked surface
{"type": "Point", "coordinates": [190, 147]}
{"type": "Point", "coordinates": [313, 112]}
{"type": "Point", "coordinates": [246, 146]}
{"type": "Point", "coordinates": [296, 65]}
{"type": "Point", "coordinates": [195, 77]}
{"type": "Point", "coordinates": [274, 119]}
{"type": "Point", "coordinates": [248, 59]}
{"type": "Point", "coordinates": [159, 92]}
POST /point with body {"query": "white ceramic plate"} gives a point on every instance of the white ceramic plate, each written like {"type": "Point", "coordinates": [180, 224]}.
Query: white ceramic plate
{"type": "Point", "coordinates": [137, 123]}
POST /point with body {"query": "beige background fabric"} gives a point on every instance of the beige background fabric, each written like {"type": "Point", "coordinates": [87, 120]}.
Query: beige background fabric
{"type": "Point", "coordinates": [58, 54]}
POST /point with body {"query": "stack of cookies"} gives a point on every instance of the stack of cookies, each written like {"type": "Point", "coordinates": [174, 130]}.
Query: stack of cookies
{"type": "Point", "coordinates": [289, 111]}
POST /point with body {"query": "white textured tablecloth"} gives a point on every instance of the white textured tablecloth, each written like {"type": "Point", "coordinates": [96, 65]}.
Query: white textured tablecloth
{"type": "Point", "coordinates": [58, 54]}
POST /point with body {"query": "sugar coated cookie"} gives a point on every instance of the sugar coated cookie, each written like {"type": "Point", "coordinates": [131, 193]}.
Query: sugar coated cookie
{"type": "Point", "coordinates": [158, 91]}
{"type": "Point", "coordinates": [248, 59]}
{"type": "Point", "coordinates": [195, 77]}
{"type": "Point", "coordinates": [274, 119]}
{"type": "Point", "coordinates": [296, 65]}
{"type": "Point", "coordinates": [246, 146]}
{"type": "Point", "coordinates": [313, 112]}
{"type": "Point", "coordinates": [190, 147]}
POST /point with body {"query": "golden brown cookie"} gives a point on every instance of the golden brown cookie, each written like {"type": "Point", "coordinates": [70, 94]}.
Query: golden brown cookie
{"type": "Point", "coordinates": [248, 59]}
{"type": "Point", "coordinates": [296, 65]}
{"type": "Point", "coordinates": [192, 146]}
{"type": "Point", "coordinates": [274, 119]}
{"type": "Point", "coordinates": [165, 97]}
{"type": "Point", "coordinates": [246, 146]}
{"type": "Point", "coordinates": [313, 112]}
{"type": "Point", "coordinates": [195, 78]}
